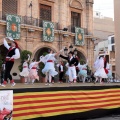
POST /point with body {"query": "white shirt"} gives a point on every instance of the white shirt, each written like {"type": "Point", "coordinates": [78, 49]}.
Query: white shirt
{"type": "Point", "coordinates": [61, 67]}
{"type": "Point", "coordinates": [17, 53]}
{"type": "Point", "coordinates": [71, 58]}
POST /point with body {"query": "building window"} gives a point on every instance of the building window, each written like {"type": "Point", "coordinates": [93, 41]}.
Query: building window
{"type": "Point", "coordinates": [113, 47]}
{"type": "Point", "coordinates": [112, 40]}
{"type": "Point", "coordinates": [45, 12]}
{"type": "Point", "coordinates": [9, 7]}
{"type": "Point", "coordinates": [112, 55]}
{"type": "Point", "coordinates": [113, 68]}
{"type": "Point", "coordinates": [75, 20]}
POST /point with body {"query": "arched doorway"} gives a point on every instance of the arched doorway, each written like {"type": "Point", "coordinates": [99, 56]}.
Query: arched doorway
{"type": "Point", "coordinates": [81, 57]}
{"type": "Point", "coordinates": [40, 52]}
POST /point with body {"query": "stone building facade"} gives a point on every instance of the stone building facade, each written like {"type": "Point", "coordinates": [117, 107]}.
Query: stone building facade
{"type": "Point", "coordinates": [64, 13]}
{"type": "Point", "coordinates": [117, 37]}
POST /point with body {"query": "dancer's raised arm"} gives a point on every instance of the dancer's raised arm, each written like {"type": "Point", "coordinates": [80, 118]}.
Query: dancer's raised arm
{"type": "Point", "coordinates": [6, 44]}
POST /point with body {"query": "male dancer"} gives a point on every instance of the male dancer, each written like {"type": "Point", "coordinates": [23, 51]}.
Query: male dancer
{"type": "Point", "coordinates": [72, 61]}
{"type": "Point", "coordinates": [61, 71]}
{"type": "Point", "coordinates": [13, 53]}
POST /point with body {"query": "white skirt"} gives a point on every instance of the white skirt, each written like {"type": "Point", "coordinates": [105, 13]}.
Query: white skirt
{"type": "Point", "coordinates": [25, 72]}
{"type": "Point", "coordinates": [49, 67]}
{"type": "Point", "coordinates": [109, 74]}
{"type": "Point", "coordinates": [83, 73]}
{"type": "Point", "coordinates": [101, 73]}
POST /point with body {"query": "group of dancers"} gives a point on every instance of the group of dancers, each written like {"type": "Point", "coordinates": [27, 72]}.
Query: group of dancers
{"type": "Point", "coordinates": [30, 72]}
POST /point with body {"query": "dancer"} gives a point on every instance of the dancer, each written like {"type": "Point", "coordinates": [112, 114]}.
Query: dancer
{"type": "Point", "coordinates": [72, 61]}
{"type": "Point", "coordinates": [49, 69]}
{"type": "Point", "coordinates": [99, 66]}
{"type": "Point", "coordinates": [25, 71]}
{"type": "Point", "coordinates": [2, 72]}
{"type": "Point", "coordinates": [83, 71]}
{"type": "Point", "coordinates": [33, 74]}
{"type": "Point", "coordinates": [61, 71]}
{"type": "Point", "coordinates": [13, 53]}
{"type": "Point", "coordinates": [77, 68]}
{"type": "Point", "coordinates": [110, 77]}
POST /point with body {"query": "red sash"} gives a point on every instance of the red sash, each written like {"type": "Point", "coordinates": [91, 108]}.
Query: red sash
{"type": "Point", "coordinates": [34, 68]}
{"type": "Point", "coordinates": [50, 61]}
{"type": "Point", "coordinates": [25, 67]}
{"type": "Point", "coordinates": [106, 71]}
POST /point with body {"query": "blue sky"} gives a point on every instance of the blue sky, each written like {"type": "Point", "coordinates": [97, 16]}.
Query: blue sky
{"type": "Point", "coordinates": [106, 7]}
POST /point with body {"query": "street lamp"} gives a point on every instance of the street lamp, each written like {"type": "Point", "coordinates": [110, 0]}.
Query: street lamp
{"type": "Point", "coordinates": [65, 51]}
{"type": "Point", "coordinates": [70, 47]}
{"type": "Point", "coordinates": [30, 6]}
{"type": "Point", "coordinates": [75, 51]}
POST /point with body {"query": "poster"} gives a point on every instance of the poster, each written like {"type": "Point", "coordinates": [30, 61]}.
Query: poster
{"type": "Point", "coordinates": [48, 31]}
{"type": "Point", "coordinates": [13, 26]}
{"type": "Point", "coordinates": [79, 36]}
{"type": "Point", "coordinates": [6, 104]}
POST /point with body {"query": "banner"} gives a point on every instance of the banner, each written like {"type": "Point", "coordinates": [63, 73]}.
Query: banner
{"type": "Point", "coordinates": [48, 31]}
{"type": "Point", "coordinates": [6, 104]}
{"type": "Point", "coordinates": [79, 36]}
{"type": "Point", "coordinates": [13, 26]}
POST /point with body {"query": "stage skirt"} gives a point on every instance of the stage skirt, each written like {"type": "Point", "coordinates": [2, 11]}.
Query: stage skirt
{"type": "Point", "coordinates": [101, 73]}
{"type": "Point", "coordinates": [83, 73]}
{"type": "Point", "coordinates": [49, 67]}
{"type": "Point", "coordinates": [25, 72]}
{"type": "Point", "coordinates": [33, 74]}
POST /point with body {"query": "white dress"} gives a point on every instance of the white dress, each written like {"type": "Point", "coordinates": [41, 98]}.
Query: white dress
{"type": "Point", "coordinates": [109, 71]}
{"type": "Point", "coordinates": [25, 71]}
{"type": "Point", "coordinates": [33, 70]}
{"type": "Point", "coordinates": [83, 70]}
{"type": "Point", "coordinates": [49, 65]}
{"type": "Point", "coordinates": [99, 65]}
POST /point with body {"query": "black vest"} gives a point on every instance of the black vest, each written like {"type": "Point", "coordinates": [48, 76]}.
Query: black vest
{"type": "Point", "coordinates": [59, 68]}
{"type": "Point", "coordinates": [11, 52]}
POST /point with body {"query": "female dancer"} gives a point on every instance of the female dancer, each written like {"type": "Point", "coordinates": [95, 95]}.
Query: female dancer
{"type": "Point", "coordinates": [83, 71]}
{"type": "Point", "coordinates": [33, 74]}
{"type": "Point", "coordinates": [99, 66]}
{"type": "Point", "coordinates": [25, 71]}
{"type": "Point", "coordinates": [49, 69]}
{"type": "Point", "coordinates": [110, 77]}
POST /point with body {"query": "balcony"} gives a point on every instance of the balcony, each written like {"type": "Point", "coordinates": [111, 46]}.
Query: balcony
{"type": "Point", "coordinates": [38, 23]}
{"type": "Point", "coordinates": [72, 29]}
{"type": "Point", "coordinates": [29, 21]}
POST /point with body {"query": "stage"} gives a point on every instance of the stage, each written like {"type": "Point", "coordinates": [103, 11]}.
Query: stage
{"type": "Point", "coordinates": [64, 101]}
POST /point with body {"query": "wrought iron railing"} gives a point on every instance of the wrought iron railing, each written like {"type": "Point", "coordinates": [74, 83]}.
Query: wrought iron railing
{"type": "Point", "coordinates": [72, 29]}
{"type": "Point", "coordinates": [38, 22]}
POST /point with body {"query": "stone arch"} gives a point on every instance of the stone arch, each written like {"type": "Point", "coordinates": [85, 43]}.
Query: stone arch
{"type": "Point", "coordinates": [76, 4]}
{"type": "Point", "coordinates": [40, 47]}
{"type": "Point", "coordinates": [82, 51]}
